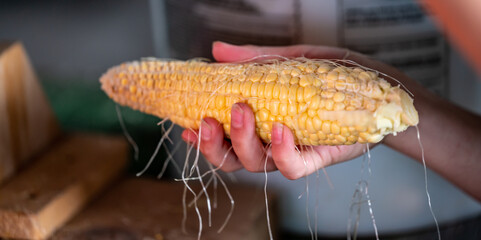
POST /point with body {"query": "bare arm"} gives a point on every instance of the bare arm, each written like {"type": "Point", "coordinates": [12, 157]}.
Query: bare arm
{"type": "Point", "coordinates": [451, 137]}
{"type": "Point", "coordinates": [462, 23]}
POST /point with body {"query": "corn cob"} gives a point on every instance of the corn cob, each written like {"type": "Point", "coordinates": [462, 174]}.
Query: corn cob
{"type": "Point", "coordinates": [322, 102]}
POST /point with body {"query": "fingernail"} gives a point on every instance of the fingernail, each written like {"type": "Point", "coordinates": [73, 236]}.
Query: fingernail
{"type": "Point", "coordinates": [189, 136]}
{"type": "Point", "coordinates": [237, 116]}
{"type": "Point", "coordinates": [222, 42]}
{"type": "Point", "coordinates": [225, 44]}
{"type": "Point", "coordinates": [206, 131]}
{"type": "Point", "coordinates": [277, 132]}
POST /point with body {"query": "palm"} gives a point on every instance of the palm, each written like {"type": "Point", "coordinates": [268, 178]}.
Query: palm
{"type": "Point", "coordinates": [304, 160]}
{"type": "Point", "coordinates": [329, 155]}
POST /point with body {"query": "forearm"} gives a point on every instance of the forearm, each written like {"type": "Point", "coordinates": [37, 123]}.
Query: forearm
{"type": "Point", "coordinates": [451, 137]}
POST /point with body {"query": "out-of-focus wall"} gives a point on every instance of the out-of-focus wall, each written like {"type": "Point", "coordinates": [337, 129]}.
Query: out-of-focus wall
{"type": "Point", "coordinates": [78, 39]}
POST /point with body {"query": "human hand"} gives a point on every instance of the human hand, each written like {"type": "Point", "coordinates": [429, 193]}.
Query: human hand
{"type": "Point", "coordinates": [245, 149]}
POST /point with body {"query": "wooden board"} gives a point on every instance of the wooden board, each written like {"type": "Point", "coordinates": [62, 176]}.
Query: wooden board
{"type": "Point", "coordinates": [57, 185]}
{"type": "Point", "coordinates": [152, 209]}
{"type": "Point", "coordinates": [27, 123]}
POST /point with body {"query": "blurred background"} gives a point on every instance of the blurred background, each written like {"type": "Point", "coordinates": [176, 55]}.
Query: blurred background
{"type": "Point", "coordinates": [71, 43]}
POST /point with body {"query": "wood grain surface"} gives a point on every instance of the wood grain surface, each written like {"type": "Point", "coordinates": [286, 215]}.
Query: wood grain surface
{"type": "Point", "coordinates": [58, 184]}
{"type": "Point", "coordinates": [151, 209]}
{"type": "Point", "coordinates": [27, 122]}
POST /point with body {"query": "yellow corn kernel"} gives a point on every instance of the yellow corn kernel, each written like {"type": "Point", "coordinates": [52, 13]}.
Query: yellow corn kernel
{"type": "Point", "coordinates": [321, 102]}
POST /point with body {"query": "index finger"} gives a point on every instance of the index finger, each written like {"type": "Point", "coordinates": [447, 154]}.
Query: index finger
{"type": "Point", "coordinates": [224, 52]}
